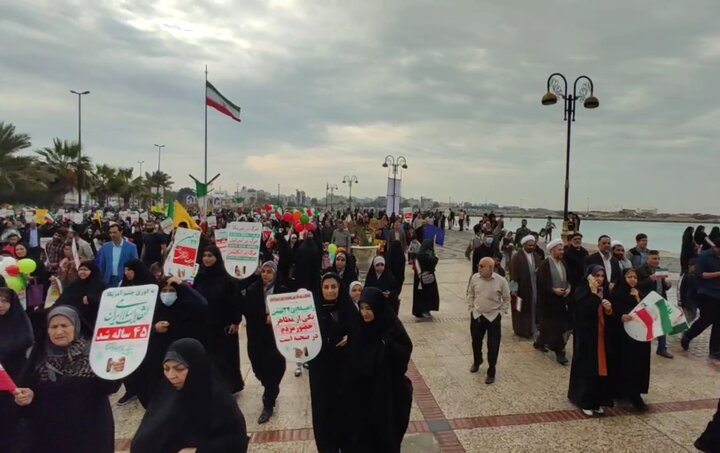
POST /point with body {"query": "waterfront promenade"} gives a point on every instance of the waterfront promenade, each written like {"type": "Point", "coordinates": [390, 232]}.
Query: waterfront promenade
{"type": "Point", "coordinates": [526, 410]}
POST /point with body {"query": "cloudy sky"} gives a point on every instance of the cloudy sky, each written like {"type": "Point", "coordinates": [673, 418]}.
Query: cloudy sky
{"type": "Point", "coordinates": [329, 88]}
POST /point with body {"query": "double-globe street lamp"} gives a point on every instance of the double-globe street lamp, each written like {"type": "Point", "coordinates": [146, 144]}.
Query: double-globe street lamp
{"type": "Point", "coordinates": [79, 175]}
{"type": "Point", "coordinates": [585, 94]}
{"type": "Point", "coordinates": [350, 180]}
{"type": "Point", "coordinates": [395, 162]}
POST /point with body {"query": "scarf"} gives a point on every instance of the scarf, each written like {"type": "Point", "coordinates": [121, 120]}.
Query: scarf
{"type": "Point", "coordinates": [72, 361]}
{"type": "Point", "coordinates": [558, 281]}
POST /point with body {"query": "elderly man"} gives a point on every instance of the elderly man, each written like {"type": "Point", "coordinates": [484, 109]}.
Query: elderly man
{"type": "Point", "coordinates": [524, 288]}
{"type": "Point", "coordinates": [553, 291]}
{"type": "Point", "coordinates": [488, 295]}
{"type": "Point", "coordinates": [618, 251]}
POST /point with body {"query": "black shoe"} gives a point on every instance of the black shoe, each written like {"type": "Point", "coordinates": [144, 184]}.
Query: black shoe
{"type": "Point", "coordinates": [265, 415]}
{"type": "Point", "coordinates": [639, 405]}
{"type": "Point", "coordinates": [561, 358]}
{"type": "Point", "coordinates": [540, 347]}
{"type": "Point", "coordinates": [702, 445]}
{"type": "Point", "coordinates": [714, 355]}
{"type": "Point", "coordinates": [489, 379]}
{"type": "Point", "coordinates": [665, 353]}
{"type": "Point", "coordinates": [685, 342]}
{"type": "Point", "coordinates": [126, 398]}
{"type": "Point", "coordinates": [475, 367]}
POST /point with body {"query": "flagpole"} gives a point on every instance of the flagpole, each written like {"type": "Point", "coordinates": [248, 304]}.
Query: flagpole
{"type": "Point", "coordinates": [203, 212]}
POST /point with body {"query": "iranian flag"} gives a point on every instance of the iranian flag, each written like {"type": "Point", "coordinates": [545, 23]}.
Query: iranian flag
{"type": "Point", "coordinates": [6, 382]}
{"type": "Point", "coordinates": [655, 316]}
{"type": "Point", "coordinates": [214, 99]}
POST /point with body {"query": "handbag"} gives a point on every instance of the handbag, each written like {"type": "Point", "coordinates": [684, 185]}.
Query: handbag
{"type": "Point", "coordinates": [427, 278]}
{"type": "Point", "coordinates": [35, 294]}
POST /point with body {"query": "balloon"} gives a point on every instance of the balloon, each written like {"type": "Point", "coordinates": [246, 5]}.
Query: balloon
{"type": "Point", "coordinates": [27, 266]}
{"type": "Point", "coordinates": [310, 227]}
{"type": "Point", "coordinates": [278, 215]}
{"type": "Point", "coordinates": [268, 207]}
{"type": "Point", "coordinates": [299, 227]}
{"type": "Point", "coordinates": [12, 270]}
{"type": "Point", "coordinates": [6, 261]}
{"type": "Point", "coordinates": [332, 248]}
{"type": "Point", "coordinates": [332, 257]}
{"type": "Point", "coordinates": [15, 283]}
{"type": "Point", "coordinates": [310, 212]}
{"type": "Point", "coordinates": [287, 217]}
{"type": "Point", "coordinates": [304, 219]}
{"type": "Point", "coordinates": [296, 216]}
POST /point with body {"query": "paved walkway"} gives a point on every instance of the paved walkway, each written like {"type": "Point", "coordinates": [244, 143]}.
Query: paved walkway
{"type": "Point", "coordinates": [526, 410]}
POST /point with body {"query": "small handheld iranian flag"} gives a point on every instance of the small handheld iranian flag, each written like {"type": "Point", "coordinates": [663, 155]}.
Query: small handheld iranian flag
{"type": "Point", "coordinates": [654, 317]}
{"type": "Point", "coordinates": [6, 382]}
{"type": "Point", "coordinates": [214, 99]}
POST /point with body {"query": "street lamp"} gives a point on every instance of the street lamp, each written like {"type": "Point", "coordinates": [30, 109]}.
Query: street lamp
{"type": "Point", "coordinates": [79, 175]}
{"type": "Point", "coordinates": [141, 162]}
{"type": "Point", "coordinates": [159, 148]}
{"type": "Point", "coordinates": [395, 162]}
{"type": "Point", "coordinates": [557, 89]}
{"type": "Point", "coordinates": [350, 180]}
{"type": "Point", "coordinates": [332, 188]}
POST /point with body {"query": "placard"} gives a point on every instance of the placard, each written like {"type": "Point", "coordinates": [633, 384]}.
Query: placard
{"type": "Point", "coordinates": [221, 239]}
{"type": "Point", "coordinates": [655, 316]}
{"type": "Point", "coordinates": [167, 225]}
{"type": "Point", "coordinates": [181, 260]}
{"type": "Point", "coordinates": [122, 330]}
{"type": "Point", "coordinates": [212, 221]}
{"type": "Point", "coordinates": [243, 248]}
{"type": "Point", "coordinates": [295, 325]}
{"type": "Point", "coordinates": [53, 294]}
{"type": "Point", "coordinates": [134, 216]}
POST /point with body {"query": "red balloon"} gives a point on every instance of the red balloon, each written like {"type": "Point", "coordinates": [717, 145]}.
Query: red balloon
{"type": "Point", "coordinates": [310, 227]}
{"type": "Point", "coordinates": [13, 270]}
{"type": "Point", "coordinates": [278, 215]}
{"type": "Point", "coordinates": [287, 217]}
{"type": "Point", "coordinates": [268, 207]}
{"type": "Point", "coordinates": [310, 212]}
{"type": "Point", "coordinates": [299, 227]}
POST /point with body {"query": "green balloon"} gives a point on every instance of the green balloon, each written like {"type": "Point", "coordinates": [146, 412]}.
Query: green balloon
{"type": "Point", "coordinates": [304, 219]}
{"type": "Point", "coordinates": [15, 283]}
{"type": "Point", "coordinates": [332, 249]}
{"type": "Point", "coordinates": [26, 266]}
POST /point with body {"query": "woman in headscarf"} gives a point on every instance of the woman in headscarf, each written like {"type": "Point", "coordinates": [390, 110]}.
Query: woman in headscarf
{"type": "Point", "coordinates": [84, 294]}
{"type": "Point", "coordinates": [137, 274]}
{"type": "Point", "coordinates": [342, 267]}
{"type": "Point", "coordinates": [180, 312]}
{"type": "Point", "coordinates": [308, 264]}
{"type": "Point", "coordinates": [64, 402]}
{"type": "Point", "coordinates": [589, 387]}
{"type": "Point", "coordinates": [631, 371]}
{"type": "Point", "coordinates": [381, 394]}
{"type": "Point", "coordinates": [16, 336]}
{"type": "Point", "coordinates": [224, 316]}
{"type": "Point", "coordinates": [67, 270]}
{"type": "Point", "coordinates": [194, 409]}
{"type": "Point", "coordinates": [426, 297]}
{"type": "Point", "coordinates": [356, 289]}
{"type": "Point", "coordinates": [700, 237]}
{"type": "Point", "coordinates": [35, 296]}
{"type": "Point", "coordinates": [688, 249]}
{"type": "Point", "coordinates": [336, 318]}
{"type": "Point", "coordinates": [382, 279]}
{"type": "Point", "coordinates": [267, 363]}
{"type": "Point", "coordinates": [395, 263]}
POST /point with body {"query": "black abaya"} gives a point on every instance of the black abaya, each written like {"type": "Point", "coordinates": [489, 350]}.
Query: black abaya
{"type": "Point", "coordinates": [79, 291]}
{"type": "Point", "coordinates": [380, 394]}
{"type": "Point", "coordinates": [396, 263]}
{"type": "Point", "coordinates": [221, 292]}
{"type": "Point", "coordinates": [385, 282]}
{"type": "Point", "coordinates": [202, 415]}
{"type": "Point", "coordinates": [308, 265]}
{"type": "Point", "coordinates": [426, 296]}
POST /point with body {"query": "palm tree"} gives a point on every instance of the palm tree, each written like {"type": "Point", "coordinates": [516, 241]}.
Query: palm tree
{"type": "Point", "coordinates": [61, 160]}
{"type": "Point", "coordinates": [18, 172]}
{"type": "Point", "coordinates": [158, 180]}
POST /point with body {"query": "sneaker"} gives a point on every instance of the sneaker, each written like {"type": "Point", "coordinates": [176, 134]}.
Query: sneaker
{"type": "Point", "coordinates": [126, 399]}
{"type": "Point", "coordinates": [665, 353]}
{"type": "Point", "coordinates": [599, 411]}
{"type": "Point", "coordinates": [265, 415]}
{"type": "Point", "coordinates": [685, 342]}
{"type": "Point", "coordinates": [298, 371]}
{"type": "Point", "coordinates": [714, 355]}
{"type": "Point", "coordinates": [588, 412]}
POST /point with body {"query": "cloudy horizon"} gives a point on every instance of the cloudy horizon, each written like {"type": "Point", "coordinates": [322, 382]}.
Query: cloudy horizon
{"type": "Point", "coordinates": [329, 89]}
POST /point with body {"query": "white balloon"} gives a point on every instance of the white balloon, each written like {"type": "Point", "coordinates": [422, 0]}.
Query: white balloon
{"type": "Point", "coordinates": [6, 261]}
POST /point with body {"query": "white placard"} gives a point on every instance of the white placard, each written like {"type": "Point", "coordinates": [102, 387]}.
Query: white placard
{"type": "Point", "coordinates": [212, 221]}
{"type": "Point", "coordinates": [221, 238]}
{"type": "Point", "coordinates": [122, 330]}
{"type": "Point", "coordinates": [295, 325]}
{"type": "Point", "coordinates": [181, 260]}
{"type": "Point", "coordinates": [243, 248]}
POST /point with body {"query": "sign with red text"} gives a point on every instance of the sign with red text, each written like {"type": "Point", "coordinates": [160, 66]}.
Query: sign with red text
{"type": "Point", "coordinates": [182, 258]}
{"type": "Point", "coordinates": [122, 330]}
{"type": "Point", "coordinates": [221, 240]}
{"type": "Point", "coordinates": [295, 325]}
{"type": "Point", "coordinates": [242, 253]}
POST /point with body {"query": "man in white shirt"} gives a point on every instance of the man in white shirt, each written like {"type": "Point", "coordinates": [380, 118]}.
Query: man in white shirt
{"type": "Point", "coordinates": [488, 295]}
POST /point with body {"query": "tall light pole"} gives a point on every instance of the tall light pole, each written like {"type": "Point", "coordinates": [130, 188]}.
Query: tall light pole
{"type": "Point", "coordinates": [395, 162]}
{"type": "Point", "coordinates": [159, 148]}
{"type": "Point", "coordinates": [350, 180]}
{"type": "Point", "coordinates": [557, 89]}
{"type": "Point", "coordinates": [141, 162]}
{"type": "Point", "coordinates": [79, 175]}
{"type": "Point", "coordinates": [331, 188]}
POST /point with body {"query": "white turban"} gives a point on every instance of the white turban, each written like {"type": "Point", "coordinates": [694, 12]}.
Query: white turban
{"type": "Point", "coordinates": [527, 238]}
{"type": "Point", "coordinates": [615, 243]}
{"type": "Point", "coordinates": [554, 243]}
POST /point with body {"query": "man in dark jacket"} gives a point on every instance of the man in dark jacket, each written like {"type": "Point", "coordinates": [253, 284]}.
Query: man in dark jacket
{"type": "Point", "coordinates": [651, 279]}
{"type": "Point", "coordinates": [604, 257]}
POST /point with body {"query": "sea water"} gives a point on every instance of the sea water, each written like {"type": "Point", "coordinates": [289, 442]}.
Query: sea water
{"type": "Point", "coordinates": [663, 236]}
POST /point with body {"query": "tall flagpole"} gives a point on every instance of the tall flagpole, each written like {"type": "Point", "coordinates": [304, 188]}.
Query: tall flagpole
{"type": "Point", "coordinates": [204, 201]}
